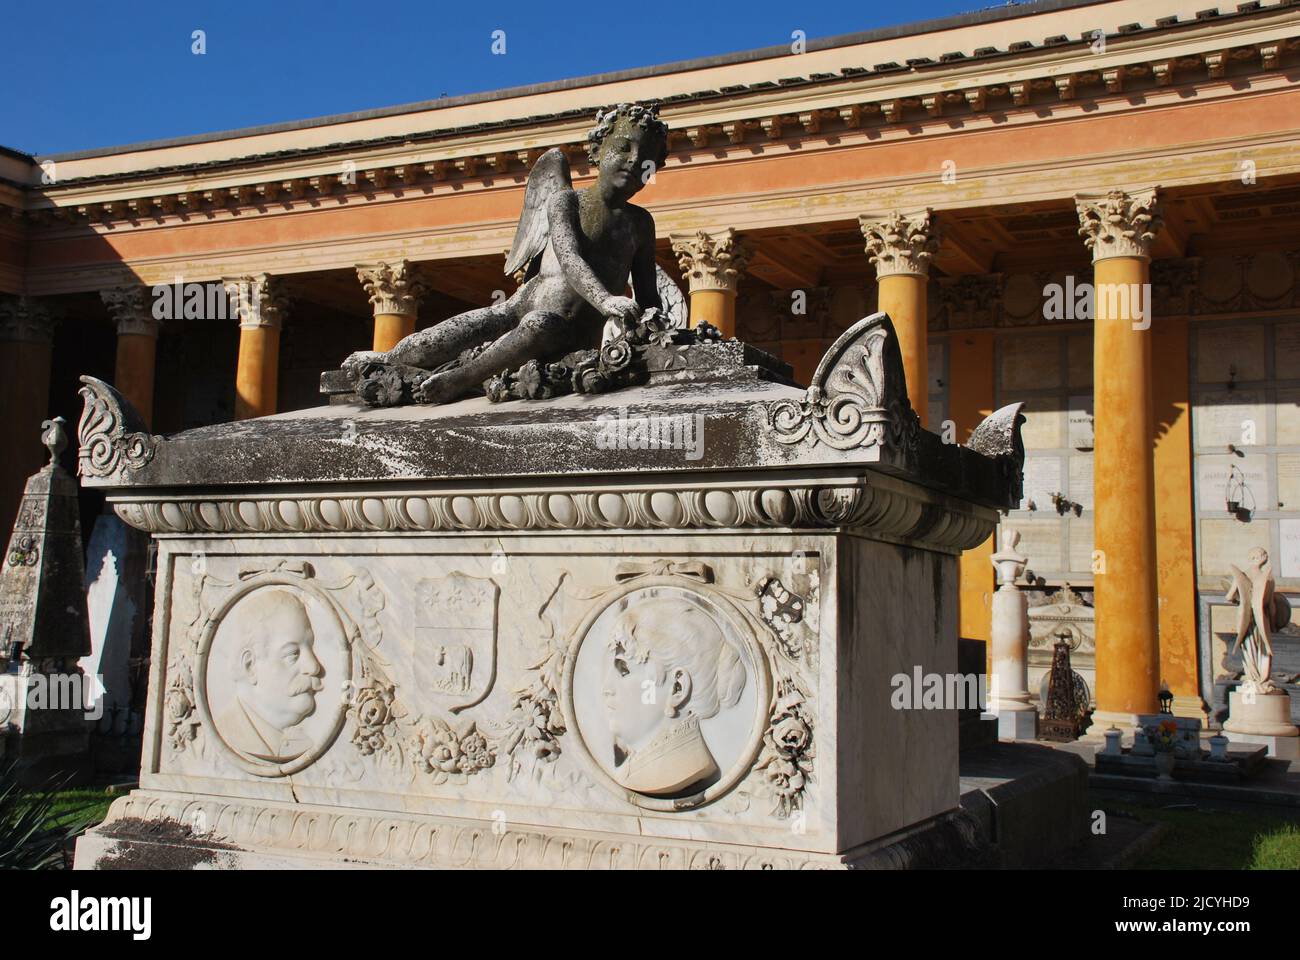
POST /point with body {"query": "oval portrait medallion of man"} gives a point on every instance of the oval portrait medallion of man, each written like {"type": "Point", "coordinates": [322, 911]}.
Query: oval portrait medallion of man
{"type": "Point", "coordinates": [272, 674]}
{"type": "Point", "coordinates": [667, 692]}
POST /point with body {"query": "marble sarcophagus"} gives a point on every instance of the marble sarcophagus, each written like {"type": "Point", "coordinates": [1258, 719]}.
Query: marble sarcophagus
{"type": "Point", "coordinates": [652, 627]}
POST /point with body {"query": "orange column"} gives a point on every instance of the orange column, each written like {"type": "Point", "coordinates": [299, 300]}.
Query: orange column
{"type": "Point", "coordinates": [901, 246]}
{"type": "Point", "coordinates": [260, 307]}
{"type": "Point", "coordinates": [394, 290]}
{"type": "Point", "coordinates": [970, 400]}
{"type": "Point", "coordinates": [137, 345]}
{"type": "Point", "coordinates": [713, 265]}
{"type": "Point", "coordinates": [1119, 229]}
{"type": "Point", "coordinates": [26, 336]}
{"type": "Point", "coordinates": [1175, 515]}
{"type": "Point", "coordinates": [391, 329]}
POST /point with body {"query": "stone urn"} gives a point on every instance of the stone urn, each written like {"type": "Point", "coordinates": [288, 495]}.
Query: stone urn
{"type": "Point", "coordinates": [1165, 760]}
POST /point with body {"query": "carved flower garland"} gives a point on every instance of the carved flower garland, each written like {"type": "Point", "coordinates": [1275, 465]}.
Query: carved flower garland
{"type": "Point", "coordinates": [181, 713]}
{"type": "Point", "coordinates": [443, 750]}
{"type": "Point", "coordinates": [372, 712]}
{"type": "Point", "coordinates": [788, 750]}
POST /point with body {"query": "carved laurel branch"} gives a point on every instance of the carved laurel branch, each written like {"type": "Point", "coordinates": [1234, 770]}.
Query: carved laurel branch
{"type": "Point", "coordinates": [112, 436]}
{"type": "Point", "coordinates": [857, 397]}
{"type": "Point", "coordinates": [888, 509]}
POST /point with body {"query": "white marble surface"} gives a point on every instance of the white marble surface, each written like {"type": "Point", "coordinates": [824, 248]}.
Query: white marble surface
{"type": "Point", "coordinates": [465, 676]}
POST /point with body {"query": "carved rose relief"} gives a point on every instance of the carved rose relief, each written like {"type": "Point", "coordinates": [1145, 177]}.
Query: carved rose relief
{"type": "Point", "coordinates": [787, 758]}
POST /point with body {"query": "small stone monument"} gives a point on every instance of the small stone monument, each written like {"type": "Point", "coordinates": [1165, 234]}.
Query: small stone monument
{"type": "Point", "coordinates": [1259, 711]}
{"type": "Point", "coordinates": [43, 626]}
{"type": "Point", "coordinates": [1017, 717]}
{"type": "Point", "coordinates": [1067, 699]}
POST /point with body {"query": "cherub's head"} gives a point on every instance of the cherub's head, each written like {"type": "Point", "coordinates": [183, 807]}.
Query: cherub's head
{"type": "Point", "coordinates": [627, 145]}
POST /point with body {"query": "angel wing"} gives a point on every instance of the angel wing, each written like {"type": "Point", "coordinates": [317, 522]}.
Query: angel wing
{"type": "Point", "coordinates": [1241, 589]}
{"type": "Point", "coordinates": [550, 175]}
{"type": "Point", "coordinates": [673, 300]}
{"type": "Point", "coordinates": [1261, 601]}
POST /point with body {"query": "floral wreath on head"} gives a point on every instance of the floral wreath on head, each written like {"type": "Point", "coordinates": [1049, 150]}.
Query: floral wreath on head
{"type": "Point", "coordinates": [644, 115]}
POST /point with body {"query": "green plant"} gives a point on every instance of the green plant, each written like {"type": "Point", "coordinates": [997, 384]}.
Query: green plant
{"type": "Point", "coordinates": [1277, 850]}
{"type": "Point", "coordinates": [33, 833]}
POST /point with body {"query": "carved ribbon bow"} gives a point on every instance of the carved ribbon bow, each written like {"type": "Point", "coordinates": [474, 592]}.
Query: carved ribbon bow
{"type": "Point", "coordinates": [297, 568]}
{"type": "Point", "coordinates": [693, 569]}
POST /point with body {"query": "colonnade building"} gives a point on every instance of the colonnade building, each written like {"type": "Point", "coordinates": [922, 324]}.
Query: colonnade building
{"type": "Point", "coordinates": [999, 182]}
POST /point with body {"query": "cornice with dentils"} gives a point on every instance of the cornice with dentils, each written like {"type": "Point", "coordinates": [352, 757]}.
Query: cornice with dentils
{"type": "Point", "coordinates": [1252, 41]}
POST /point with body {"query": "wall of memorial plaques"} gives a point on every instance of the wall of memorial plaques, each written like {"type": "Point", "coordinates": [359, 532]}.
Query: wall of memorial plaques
{"type": "Point", "coordinates": [1052, 372]}
{"type": "Point", "coordinates": [1246, 445]}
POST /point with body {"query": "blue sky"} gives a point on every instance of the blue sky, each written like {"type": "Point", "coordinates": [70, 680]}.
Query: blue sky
{"type": "Point", "coordinates": [94, 73]}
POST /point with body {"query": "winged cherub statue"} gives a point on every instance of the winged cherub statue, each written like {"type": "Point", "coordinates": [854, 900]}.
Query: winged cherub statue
{"type": "Point", "coordinates": [578, 248]}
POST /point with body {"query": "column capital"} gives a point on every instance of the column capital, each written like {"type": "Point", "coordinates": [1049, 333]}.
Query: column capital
{"type": "Point", "coordinates": [1119, 224]}
{"type": "Point", "coordinates": [259, 301]}
{"type": "Point", "coordinates": [394, 288]}
{"type": "Point", "coordinates": [26, 320]}
{"type": "Point", "coordinates": [901, 243]}
{"type": "Point", "coordinates": [132, 310]}
{"type": "Point", "coordinates": [712, 261]}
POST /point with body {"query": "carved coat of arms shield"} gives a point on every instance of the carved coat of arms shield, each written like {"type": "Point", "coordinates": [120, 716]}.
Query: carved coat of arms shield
{"type": "Point", "coordinates": [456, 639]}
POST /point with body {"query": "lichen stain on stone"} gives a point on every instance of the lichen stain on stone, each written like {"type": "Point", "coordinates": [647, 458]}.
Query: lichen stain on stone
{"type": "Point", "coordinates": [161, 845]}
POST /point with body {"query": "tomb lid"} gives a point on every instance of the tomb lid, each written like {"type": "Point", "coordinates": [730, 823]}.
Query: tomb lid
{"type": "Point", "coordinates": [710, 408]}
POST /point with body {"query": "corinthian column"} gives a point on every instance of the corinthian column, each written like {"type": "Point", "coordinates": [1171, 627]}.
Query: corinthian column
{"type": "Point", "coordinates": [260, 306]}
{"type": "Point", "coordinates": [26, 349]}
{"type": "Point", "coordinates": [713, 264]}
{"type": "Point", "coordinates": [137, 345]}
{"type": "Point", "coordinates": [900, 247]}
{"type": "Point", "coordinates": [1118, 228]}
{"type": "Point", "coordinates": [394, 290]}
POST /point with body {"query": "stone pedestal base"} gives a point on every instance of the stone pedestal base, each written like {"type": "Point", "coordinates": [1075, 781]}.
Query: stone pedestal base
{"type": "Point", "coordinates": [1017, 724]}
{"type": "Point", "coordinates": [1283, 748]}
{"type": "Point", "coordinates": [38, 732]}
{"type": "Point", "coordinates": [480, 687]}
{"type": "Point", "coordinates": [1264, 719]}
{"type": "Point", "coordinates": [1103, 720]}
{"type": "Point", "coordinates": [151, 830]}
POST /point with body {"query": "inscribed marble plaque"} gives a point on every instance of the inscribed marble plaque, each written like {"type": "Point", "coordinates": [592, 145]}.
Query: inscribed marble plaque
{"type": "Point", "coordinates": [1081, 480]}
{"type": "Point", "coordinates": [1288, 481]}
{"type": "Point", "coordinates": [1044, 420]}
{"type": "Point", "coordinates": [1234, 353]}
{"type": "Point", "coordinates": [1080, 424]}
{"type": "Point", "coordinates": [1286, 351]}
{"type": "Point", "coordinates": [1228, 417]}
{"type": "Point", "coordinates": [1287, 413]}
{"type": "Point", "coordinates": [1079, 531]}
{"type": "Point", "coordinates": [1228, 541]}
{"type": "Point", "coordinates": [1030, 363]}
{"type": "Point", "coordinates": [1249, 483]}
{"type": "Point", "coordinates": [1042, 479]}
{"type": "Point", "coordinates": [1290, 534]}
{"type": "Point", "coordinates": [1041, 542]}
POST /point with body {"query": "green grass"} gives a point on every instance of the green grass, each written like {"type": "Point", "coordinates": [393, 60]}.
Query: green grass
{"type": "Point", "coordinates": [38, 825]}
{"type": "Point", "coordinates": [1278, 850]}
{"type": "Point", "coordinates": [1205, 839]}
{"type": "Point", "coordinates": [79, 803]}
